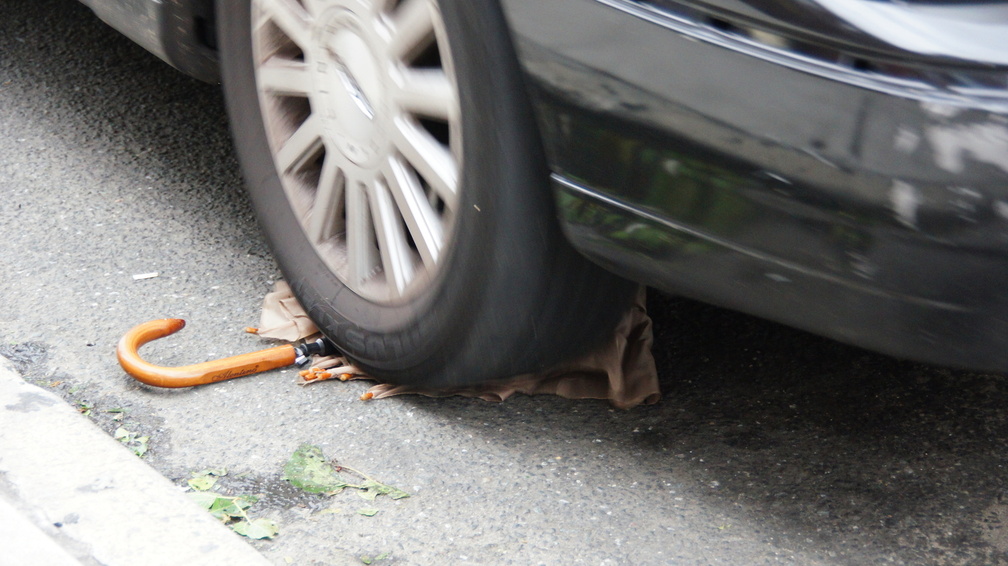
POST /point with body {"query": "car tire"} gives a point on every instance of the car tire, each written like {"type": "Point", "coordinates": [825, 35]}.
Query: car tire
{"type": "Point", "coordinates": [419, 272]}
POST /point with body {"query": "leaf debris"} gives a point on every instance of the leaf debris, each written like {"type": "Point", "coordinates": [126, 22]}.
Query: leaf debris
{"type": "Point", "coordinates": [138, 444]}
{"type": "Point", "coordinates": [203, 480]}
{"type": "Point", "coordinates": [307, 469]}
{"type": "Point", "coordinates": [231, 510]}
{"type": "Point", "coordinates": [257, 529]}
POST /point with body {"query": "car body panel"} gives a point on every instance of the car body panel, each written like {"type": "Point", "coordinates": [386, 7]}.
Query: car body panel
{"type": "Point", "coordinates": [868, 207]}
{"type": "Point", "coordinates": [957, 31]}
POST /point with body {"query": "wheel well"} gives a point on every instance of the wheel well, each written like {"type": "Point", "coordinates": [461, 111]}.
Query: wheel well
{"type": "Point", "coordinates": [205, 23]}
{"type": "Point", "coordinates": [188, 29]}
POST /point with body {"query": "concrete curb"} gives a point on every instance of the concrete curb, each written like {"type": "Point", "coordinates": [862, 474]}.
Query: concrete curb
{"type": "Point", "coordinates": [70, 494]}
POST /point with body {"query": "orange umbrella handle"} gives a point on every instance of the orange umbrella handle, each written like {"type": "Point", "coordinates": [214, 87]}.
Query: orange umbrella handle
{"type": "Point", "coordinates": [196, 374]}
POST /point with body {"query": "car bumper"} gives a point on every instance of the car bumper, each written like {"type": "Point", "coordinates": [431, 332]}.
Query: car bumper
{"type": "Point", "coordinates": [180, 32]}
{"type": "Point", "coordinates": [858, 205]}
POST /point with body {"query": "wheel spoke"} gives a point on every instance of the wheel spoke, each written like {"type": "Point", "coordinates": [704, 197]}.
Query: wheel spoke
{"type": "Point", "coordinates": [314, 7]}
{"type": "Point", "coordinates": [285, 78]}
{"type": "Point", "coordinates": [362, 254]}
{"type": "Point", "coordinates": [327, 210]}
{"type": "Point", "coordinates": [382, 6]}
{"type": "Point", "coordinates": [441, 37]}
{"type": "Point", "coordinates": [291, 18]}
{"type": "Point", "coordinates": [428, 92]}
{"type": "Point", "coordinates": [396, 255]}
{"type": "Point", "coordinates": [413, 28]}
{"type": "Point", "coordinates": [421, 219]}
{"type": "Point", "coordinates": [433, 161]}
{"type": "Point", "coordinates": [303, 144]}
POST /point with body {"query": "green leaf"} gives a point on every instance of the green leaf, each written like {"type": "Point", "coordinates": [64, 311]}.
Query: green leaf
{"type": "Point", "coordinates": [138, 444]}
{"type": "Point", "coordinates": [308, 469]}
{"type": "Point", "coordinates": [377, 487]}
{"type": "Point", "coordinates": [205, 479]}
{"type": "Point", "coordinates": [140, 448]}
{"type": "Point", "coordinates": [373, 489]}
{"type": "Point", "coordinates": [257, 529]}
{"type": "Point", "coordinates": [225, 507]}
{"type": "Point", "coordinates": [246, 501]}
{"type": "Point", "coordinates": [398, 494]}
{"type": "Point", "coordinates": [366, 559]}
{"type": "Point", "coordinates": [202, 483]}
{"type": "Point", "coordinates": [368, 511]}
{"type": "Point", "coordinates": [203, 499]}
{"type": "Point", "coordinates": [383, 556]}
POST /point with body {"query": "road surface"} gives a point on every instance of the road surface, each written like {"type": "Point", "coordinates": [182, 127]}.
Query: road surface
{"type": "Point", "coordinates": [769, 446]}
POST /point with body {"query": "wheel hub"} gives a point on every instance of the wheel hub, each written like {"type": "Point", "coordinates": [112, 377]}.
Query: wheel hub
{"type": "Point", "coordinates": [348, 87]}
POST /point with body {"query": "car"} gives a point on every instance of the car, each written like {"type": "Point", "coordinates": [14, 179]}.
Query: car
{"type": "Point", "coordinates": [462, 190]}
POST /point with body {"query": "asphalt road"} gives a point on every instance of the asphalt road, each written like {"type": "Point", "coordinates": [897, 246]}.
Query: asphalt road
{"type": "Point", "coordinates": [770, 445]}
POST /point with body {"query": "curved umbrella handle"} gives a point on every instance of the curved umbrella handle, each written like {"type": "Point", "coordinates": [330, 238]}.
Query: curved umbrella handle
{"type": "Point", "coordinates": [195, 374]}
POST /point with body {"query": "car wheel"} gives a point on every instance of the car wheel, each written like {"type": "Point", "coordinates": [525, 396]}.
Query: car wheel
{"type": "Point", "coordinates": [395, 167]}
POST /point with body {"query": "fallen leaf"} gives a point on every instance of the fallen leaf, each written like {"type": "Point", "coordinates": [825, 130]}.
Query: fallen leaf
{"type": "Point", "coordinates": [138, 444]}
{"type": "Point", "coordinates": [223, 507]}
{"type": "Point", "coordinates": [308, 469]}
{"type": "Point", "coordinates": [141, 447]}
{"type": "Point", "coordinates": [202, 483]}
{"type": "Point", "coordinates": [205, 479]}
{"type": "Point", "coordinates": [203, 499]}
{"type": "Point", "coordinates": [373, 488]}
{"type": "Point", "coordinates": [257, 529]}
{"type": "Point", "coordinates": [227, 508]}
{"type": "Point", "coordinates": [368, 511]}
{"type": "Point", "coordinates": [231, 510]}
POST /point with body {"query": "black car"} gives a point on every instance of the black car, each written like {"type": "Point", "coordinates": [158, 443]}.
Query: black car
{"type": "Point", "coordinates": [441, 180]}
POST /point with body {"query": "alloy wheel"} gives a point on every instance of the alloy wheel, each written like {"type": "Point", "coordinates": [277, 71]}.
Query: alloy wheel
{"type": "Point", "coordinates": [361, 109]}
